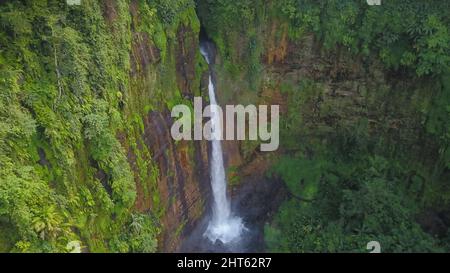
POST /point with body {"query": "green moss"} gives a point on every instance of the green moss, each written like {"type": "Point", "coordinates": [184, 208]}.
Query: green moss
{"type": "Point", "coordinates": [180, 228]}
{"type": "Point", "coordinates": [65, 76]}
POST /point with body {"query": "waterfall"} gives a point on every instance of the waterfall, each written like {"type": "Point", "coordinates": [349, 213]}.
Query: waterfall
{"type": "Point", "coordinates": [223, 225]}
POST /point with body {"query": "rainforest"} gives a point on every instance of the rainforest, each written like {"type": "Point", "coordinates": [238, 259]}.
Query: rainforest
{"type": "Point", "coordinates": [88, 162]}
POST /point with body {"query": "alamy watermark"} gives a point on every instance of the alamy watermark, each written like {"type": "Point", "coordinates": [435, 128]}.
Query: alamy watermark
{"type": "Point", "coordinates": [73, 2]}
{"type": "Point", "coordinates": [374, 247]}
{"type": "Point", "coordinates": [240, 121]}
{"type": "Point", "coordinates": [374, 2]}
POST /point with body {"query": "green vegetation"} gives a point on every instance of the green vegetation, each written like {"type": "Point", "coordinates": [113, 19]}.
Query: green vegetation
{"type": "Point", "coordinates": [139, 236]}
{"type": "Point", "coordinates": [69, 112]}
{"type": "Point", "coordinates": [362, 182]}
{"type": "Point", "coordinates": [407, 34]}
{"type": "Point", "coordinates": [365, 130]}
{"type": "Point", "coordinates": [243, 18]}
{"type": "Point", "coordinates": [343, 204]}
{"type": "Point", "coordinates": [357, 169]}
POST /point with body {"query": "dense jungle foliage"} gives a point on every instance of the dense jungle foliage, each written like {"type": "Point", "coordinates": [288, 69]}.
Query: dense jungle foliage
{"type": "Point", "coordinates": [64, 104]}
{"type": "Point", "coordinates": [377, 169]}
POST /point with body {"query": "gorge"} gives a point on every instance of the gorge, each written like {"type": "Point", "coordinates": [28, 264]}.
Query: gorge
{"type": "Point", "coordinates": [87, 156]}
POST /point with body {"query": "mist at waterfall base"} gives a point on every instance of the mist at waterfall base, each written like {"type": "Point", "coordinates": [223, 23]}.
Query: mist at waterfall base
{"type": "Point", "coordinates": [223, 226]}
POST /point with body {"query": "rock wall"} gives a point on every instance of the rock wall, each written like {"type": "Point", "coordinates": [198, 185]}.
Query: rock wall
{"type": "Point", "coordinates": [183, 172]}
{"type": "Point", "coordinates": [87, 143]}
{"type": "Point", "coordinates": [348, 88]}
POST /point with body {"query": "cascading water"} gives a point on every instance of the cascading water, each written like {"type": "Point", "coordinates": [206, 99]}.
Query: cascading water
{"type": "Point", "coordinates": [223, 225]}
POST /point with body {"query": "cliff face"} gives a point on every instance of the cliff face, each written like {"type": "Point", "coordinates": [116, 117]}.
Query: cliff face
{"type": "Point", "coordinates": [182, 180]}
{"type": "Point", "coordinates": [95, 84]}
{"type": "Point", "coordinates": [86, 91]}
{"type": "Point", "coordinates": [270, 61]}
{"type": "Point", "coordinates": [348, 102]}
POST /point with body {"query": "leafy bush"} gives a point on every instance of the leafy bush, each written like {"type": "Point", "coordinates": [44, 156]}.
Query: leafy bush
{"type": "Point", "coordinates": [139, 236]}
{"type": "Point", "coordinates": [344, 217]}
